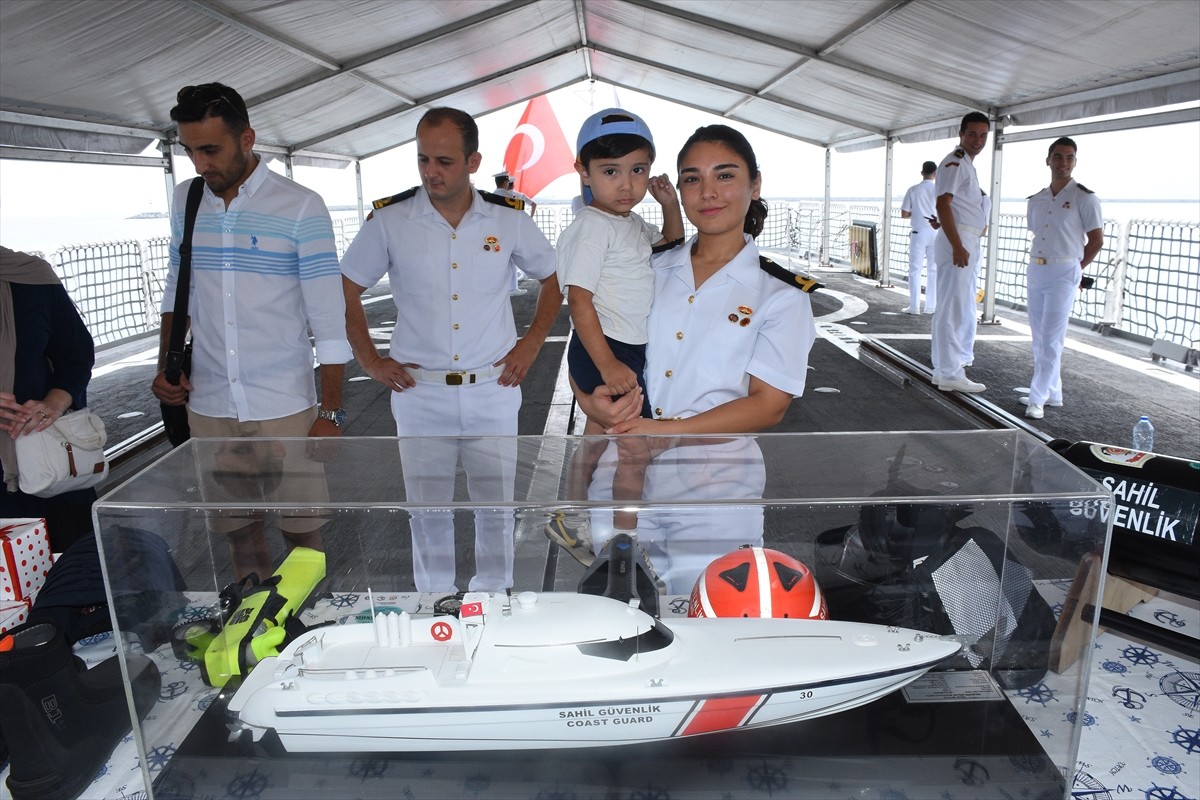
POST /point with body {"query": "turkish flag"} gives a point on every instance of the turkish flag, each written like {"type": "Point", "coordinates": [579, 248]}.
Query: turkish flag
{"type": "Point", "coordinates": [538, 152]}
{"type": "Point", "coordinates": [471, 609]}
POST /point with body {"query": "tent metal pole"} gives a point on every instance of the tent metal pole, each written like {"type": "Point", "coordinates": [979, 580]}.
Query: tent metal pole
{"type": "Point", "coordinates": [988, 315]}
{"type": "Point", "coordinates": [164, 147]}
{"type": "Point", "coordinates": [358, 188]}
{"type": "Point", "coordinates": [885, 223]}
{"type": "Point", "coordinates": [825, 260]}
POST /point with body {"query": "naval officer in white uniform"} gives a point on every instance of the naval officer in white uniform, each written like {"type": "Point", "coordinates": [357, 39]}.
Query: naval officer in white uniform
{"type": "Point", "coordinates": [455, 364]}
{"type": "Point", "coordinates": [919, 207]}
{"type": "Point", "coordinates": [960, 212]}
{"type": "Point", "coordinates": [729, 338]}
{"type": "Point", "coordinates": [1068, 232]}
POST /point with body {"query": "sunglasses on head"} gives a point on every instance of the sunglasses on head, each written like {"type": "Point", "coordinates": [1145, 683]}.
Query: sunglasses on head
{"type": "Point", "coordinates": [209, 95]}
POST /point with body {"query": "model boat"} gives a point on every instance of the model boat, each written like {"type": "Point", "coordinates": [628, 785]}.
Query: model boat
{"type": "Point", "coordinates": [565, 670]}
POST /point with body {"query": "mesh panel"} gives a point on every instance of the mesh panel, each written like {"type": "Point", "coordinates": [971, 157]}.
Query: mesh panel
{"type": "Point", "coordinates": [105, 281]}
{"type": "Point", "coordinates": [1160, 293]}
{"type": "Point", "coordinates": [118, 286]}
{"type": "Point", "coordinates": [1162, 282]}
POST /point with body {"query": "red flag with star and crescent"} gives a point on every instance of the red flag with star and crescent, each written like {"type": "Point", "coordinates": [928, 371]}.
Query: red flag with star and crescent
{"type": "Point", "coordinates": [538, 152]}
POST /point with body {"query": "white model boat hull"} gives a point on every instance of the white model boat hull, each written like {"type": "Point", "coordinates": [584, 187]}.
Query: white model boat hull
{"type": "Point", "coordinates": [535, 676]}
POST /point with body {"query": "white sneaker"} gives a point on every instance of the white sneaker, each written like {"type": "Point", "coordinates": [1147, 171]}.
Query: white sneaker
{"type": "Point", "coordinates": [963, 385]}
{"type": "Point", "coordinates": [1034, 411]}
{"type": "Point", "coordinates": [1025, 401]}
{"type": "Point", "coordinates": [573, 534]}
{"type": "Point", "coordinates": [909, 310]}
{"type": "Point", "coordinates": [930, 310]}
{"type": "Point", "coordinates": [659, 583]}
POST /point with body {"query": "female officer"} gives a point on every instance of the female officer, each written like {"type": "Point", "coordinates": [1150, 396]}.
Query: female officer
{"type": "Point", "coordinates": [729, 342]}
{"type": "Point", "coordinates": [728, 349]}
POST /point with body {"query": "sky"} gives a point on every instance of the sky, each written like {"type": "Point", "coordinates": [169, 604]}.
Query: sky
{"type": "Point", "coordinates": [1108, 163]}
{"type": "Point", "coordinates": [796, 169]}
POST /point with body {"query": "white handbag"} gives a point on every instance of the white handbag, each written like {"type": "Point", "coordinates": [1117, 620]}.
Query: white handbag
{"type": "Point", "coordinates": [68, 455]}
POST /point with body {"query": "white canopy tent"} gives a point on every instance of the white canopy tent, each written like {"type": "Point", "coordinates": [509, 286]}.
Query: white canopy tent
{"type": "Point", "coordinates": [338, 80]}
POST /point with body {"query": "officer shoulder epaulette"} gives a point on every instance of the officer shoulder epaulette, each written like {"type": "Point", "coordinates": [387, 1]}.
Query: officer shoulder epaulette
{"type": "Point", "coordinates": [804, 283]}
{"type": "Point", "coordinates": [960, 153]}
{"type": "Point", "coordinates": [665, 246]}
{"type": "Point", "coordinates": [1083, 188]}
{"type": "Point", "coordinates": [396, 198]}
{"type": "Point", "coordinates": [501, 200]}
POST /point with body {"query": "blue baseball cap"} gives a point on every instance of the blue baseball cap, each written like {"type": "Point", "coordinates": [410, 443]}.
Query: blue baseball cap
{"type": "Point", "coordinates": [595, 126]}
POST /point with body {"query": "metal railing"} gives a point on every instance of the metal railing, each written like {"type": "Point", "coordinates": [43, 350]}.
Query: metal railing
{"type": "Point", "coordinates": [1161, 282]}
{"type": "Point", "coordinates": [1147, 275]}
{"type": "Point", "coordinates": [118, 286]}
{"type": "Point", "coordinates": [113, 285]}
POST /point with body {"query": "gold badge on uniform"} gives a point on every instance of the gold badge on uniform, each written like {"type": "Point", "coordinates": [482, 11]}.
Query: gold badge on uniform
{"type": "Point", "coordinates": [742, 317]}
{"type": "Point", "coordinates": [491, 243]}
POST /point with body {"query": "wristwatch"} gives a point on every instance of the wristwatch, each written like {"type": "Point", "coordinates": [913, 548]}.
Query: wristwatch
{"type": "Point", "coordinates": [337, 416]}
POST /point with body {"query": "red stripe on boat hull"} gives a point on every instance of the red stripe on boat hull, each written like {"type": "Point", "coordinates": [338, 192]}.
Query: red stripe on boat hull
{"type": "Point", "coordinates": [721, 714]}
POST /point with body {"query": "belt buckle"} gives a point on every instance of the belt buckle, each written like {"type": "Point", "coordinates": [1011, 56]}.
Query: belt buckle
{"type": "Point", "coordinates": [454, 378]}
{"type": "Point", "coordinates": [1039, 261]}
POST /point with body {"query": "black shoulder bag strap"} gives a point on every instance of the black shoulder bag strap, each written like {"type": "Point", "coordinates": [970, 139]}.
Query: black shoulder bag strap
{"type": "Point", "coordinates": [174, 366]}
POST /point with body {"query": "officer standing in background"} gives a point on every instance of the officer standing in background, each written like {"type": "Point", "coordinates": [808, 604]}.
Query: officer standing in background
{"type": "Point", "coordinates": [504, 188]}
{"type": "Point", "coordinates": [960, 212]}
{"type": "Point", "coordinates": [455, 365]}
{"type": "Point", "coordinates": [1068, 232]}
{"type": "Point", "coordinates": [920, 207]}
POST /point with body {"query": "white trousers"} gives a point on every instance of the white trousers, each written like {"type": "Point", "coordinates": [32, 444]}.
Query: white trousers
{"type": "Point", "coordinates": [484, 410]}
{"type": "Point", "coordinates": [681, 543]}
{"type": "Point", "coordinates": [1051, 295]}
{"type": "Point", "coordinates": [920, 253]}
{"type": "Point", "coordinates": [952, 344]}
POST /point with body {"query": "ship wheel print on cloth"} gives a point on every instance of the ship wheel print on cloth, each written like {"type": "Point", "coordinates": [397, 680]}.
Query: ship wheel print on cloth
{"type": "Point", "coordinates": [1084, 786]}
{"type": "Point", "coordinates": [440, 631]}
{"type": "Point", "coordinates": [1183, 688]}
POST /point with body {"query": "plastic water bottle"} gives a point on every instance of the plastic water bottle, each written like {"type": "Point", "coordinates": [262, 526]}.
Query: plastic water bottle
{"type": "Point", "coordinates": [1143, 435]}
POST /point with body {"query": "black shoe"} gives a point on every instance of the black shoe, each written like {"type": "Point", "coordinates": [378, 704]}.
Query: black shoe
{"type": "Point", "coordinates": [62, 720]}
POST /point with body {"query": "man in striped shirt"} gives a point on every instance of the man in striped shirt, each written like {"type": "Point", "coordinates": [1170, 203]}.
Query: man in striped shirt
{"type": "Point", "coordinates": [264, 272]}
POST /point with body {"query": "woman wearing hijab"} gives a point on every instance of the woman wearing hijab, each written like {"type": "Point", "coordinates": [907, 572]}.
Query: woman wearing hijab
{"type": "Point", "coordinates": [46, 358]}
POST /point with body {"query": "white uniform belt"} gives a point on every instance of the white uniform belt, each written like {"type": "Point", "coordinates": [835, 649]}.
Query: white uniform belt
{"type": "Point", "coordinates": [1055, 260]}
{"type": "Point", "coordinates": [455, 377]}
{"type": "Point", "coordinates": [968, 229]}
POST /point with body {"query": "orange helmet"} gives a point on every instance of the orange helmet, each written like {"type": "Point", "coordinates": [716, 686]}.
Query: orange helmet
{"type": "Point", "coordinates": [757, 582]}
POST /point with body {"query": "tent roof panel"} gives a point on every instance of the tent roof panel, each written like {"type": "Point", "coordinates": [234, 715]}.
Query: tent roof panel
{"type": "Point", "coordinates": [358, 28]}
{"type": "Point", "coordinates": [351, 76]}
{"type": "Point", "coordinates": [1002, 52]}
{"type": "Point", "coordinates": [681, 44]}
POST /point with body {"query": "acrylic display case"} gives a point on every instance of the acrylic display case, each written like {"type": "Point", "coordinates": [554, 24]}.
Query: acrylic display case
{"type": "Point", "coordinates": [987, 536]}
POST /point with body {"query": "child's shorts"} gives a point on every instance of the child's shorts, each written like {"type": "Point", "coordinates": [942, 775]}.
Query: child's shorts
{"type": "Point", "coordinates": [587, 376]}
